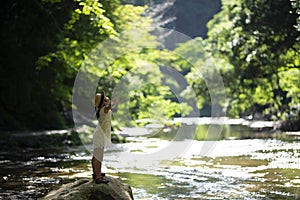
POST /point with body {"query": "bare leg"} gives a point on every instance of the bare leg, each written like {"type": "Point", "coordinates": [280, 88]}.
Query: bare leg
{"type": "Point", "coordinates": [97, 164]}
{"type": "Point", "coordinates": [96, 167]}
{"type": "Point", "coordinates": [100, 167]}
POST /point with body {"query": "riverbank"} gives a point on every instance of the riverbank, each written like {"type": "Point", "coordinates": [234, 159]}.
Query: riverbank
{"type": "Point", "coordinates": [83, 134]}
{"type": "Point", "coordinates": [228, 128]}
{"type": "Point", "coordinates": [51, 138]}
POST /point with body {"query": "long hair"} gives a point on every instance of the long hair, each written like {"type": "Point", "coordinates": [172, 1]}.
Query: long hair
{"type": "Point", "coordinates": [97, 109]}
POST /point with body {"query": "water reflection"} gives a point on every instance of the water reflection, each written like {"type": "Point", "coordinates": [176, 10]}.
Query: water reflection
{"type": "Point", "coordinates": [229, 132]}
{"type": "Point", "coordinates": [244, 164]}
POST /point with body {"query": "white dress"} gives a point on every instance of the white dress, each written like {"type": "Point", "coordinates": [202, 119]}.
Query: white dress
{"type": "Point", "coordinates": [102, 133]}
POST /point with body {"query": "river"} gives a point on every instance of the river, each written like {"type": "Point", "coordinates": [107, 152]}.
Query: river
{"type": "Point", "coordinates": [244, 163]}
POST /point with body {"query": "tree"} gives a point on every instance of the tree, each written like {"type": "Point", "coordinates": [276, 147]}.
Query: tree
{"type": "Point", "coordinates": [28, 31]}
{"type": "Point", "coordinates": [52, 41]}
{"type": "Point", "coordinates": [255, 44]}
{"type": "Point", "coordinates": [134, 59]}
{"type": "Point", "coordinates": [43, 43]}
{"type": "Point", "coordinates": [264, 45]}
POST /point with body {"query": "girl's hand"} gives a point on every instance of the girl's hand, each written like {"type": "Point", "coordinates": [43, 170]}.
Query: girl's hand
{"type": "Point", "coordinates": [106, 101]}
{"type": "Point", "coordinates": [107, 105]}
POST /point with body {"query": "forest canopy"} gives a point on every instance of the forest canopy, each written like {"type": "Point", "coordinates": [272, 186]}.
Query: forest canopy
{"type": "Point", "coordinates": [254, 45]}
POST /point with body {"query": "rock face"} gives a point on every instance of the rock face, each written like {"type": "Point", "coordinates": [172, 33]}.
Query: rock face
{"type": "Point", "coordinates": [86, 189]}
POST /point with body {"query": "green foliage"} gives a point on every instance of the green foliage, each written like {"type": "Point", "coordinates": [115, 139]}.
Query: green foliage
{"type": "Point", "coordinates": [204, 65]}
{"type": "Point", "coordinates": [296, 6]}
{"type": "Point", "coordinates": [86, 26]}
{"type": "Point", "coordinates": [46, 43]}
{"type": "Point", "coordinates": [126, 58]}
{"type": "Point", "coordinates": [264, 42]}
{"type": "Point", "coordinates": [255, 45]}
{"type": "Point", "coordinates": [43, 45]}
{"type": "Point", "coordinates": [29, 31]}
{"type": "Point", "coordinates": [149, 102]}
{"type": "Point", "coordinates": [290, 82]}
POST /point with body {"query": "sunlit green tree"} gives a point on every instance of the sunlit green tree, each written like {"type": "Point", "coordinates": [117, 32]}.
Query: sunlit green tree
{"type": "Point", "coordinates": [138, 63]}
{"type": "Point", "coordinates": [44, 44]}
{"type": "Point", "coordinates": [255, 45]}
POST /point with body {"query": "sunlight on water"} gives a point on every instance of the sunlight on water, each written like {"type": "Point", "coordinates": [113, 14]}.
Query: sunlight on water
{"type": "Point", "coordinates": [233, 169]}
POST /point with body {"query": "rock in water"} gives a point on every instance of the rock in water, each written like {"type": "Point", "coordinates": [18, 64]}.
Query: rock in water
{"type": "Point", "coordinates": [87, 189]}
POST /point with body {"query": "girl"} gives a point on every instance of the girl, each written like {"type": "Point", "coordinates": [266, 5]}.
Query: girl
{"type": "Point", "coordinates": [101, 136]}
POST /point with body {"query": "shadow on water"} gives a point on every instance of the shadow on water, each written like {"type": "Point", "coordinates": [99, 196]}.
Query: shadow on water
{"type": "Point", "coordinates": [245, 164]}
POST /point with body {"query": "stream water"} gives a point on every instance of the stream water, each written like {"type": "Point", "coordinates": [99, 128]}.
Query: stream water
{"type": "Point", "coordinates": [243, 164]}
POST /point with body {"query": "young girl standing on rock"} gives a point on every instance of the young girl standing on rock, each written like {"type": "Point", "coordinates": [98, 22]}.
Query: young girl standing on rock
{"type": "Point", "coordinates": [101, 136]}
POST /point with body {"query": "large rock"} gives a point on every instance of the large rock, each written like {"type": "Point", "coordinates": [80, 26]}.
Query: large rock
{"type": "Point", "coordinates": [87, 189]}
